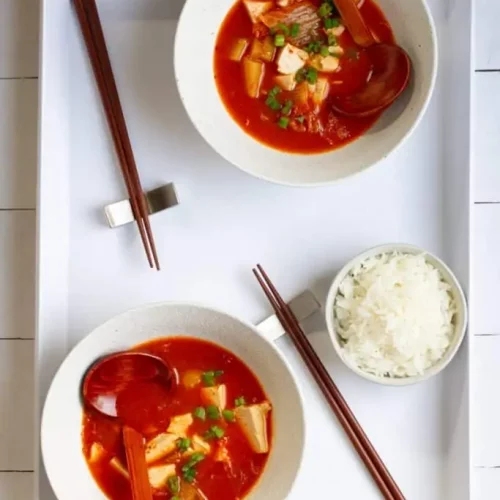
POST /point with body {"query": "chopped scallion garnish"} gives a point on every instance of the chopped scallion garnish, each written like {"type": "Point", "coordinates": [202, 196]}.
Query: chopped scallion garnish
{"type": "Point", "coordinates": [182, 445]}
{"type": "Point", "coordinates": [324, 51]}
{"type": "Point", "coordinates": [213, 412]}
{"type": "Point", "coordinates": [275, 91]}
{"type": "Point", "coordinates": [215, 432]}
{"type": "Point", "coordinates": [209, 377]}
{"type": "Point", "coordinates": [311, 75]}
{"type": "Point", "coordinates": [200, 413]}
{"type": "Point", "coordinates": [283, 28]}
{"type": "Point", "coordinates": [287, 108]}
{"type": "Point", "coordinates": [239, 401]}
{"type": "Point", "coordinates": [228, 415]}
{"type": "Point", "coordinates": [325, 10]}
{"type": "Point", "coordinates": [295, 29]}
{"type": "Point", "coordinates": [193, 460]}
{"type": "Point", "coordinates": [279, 40]}
{"type": "Point", "coordinates": [273, 103]}
{"type": "Point", "coordinates": [331, 23]}
{"type": "Point", "coordinates": [174, 484]}
{"type": "Point", "coordinates": [283, 122]}
{"type": "Point", "coordinates": [332, 39]}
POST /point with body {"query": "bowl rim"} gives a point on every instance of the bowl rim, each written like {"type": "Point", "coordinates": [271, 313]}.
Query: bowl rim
{"type": "Point", "coordinates": [447, 275]}
{"type": "Point", "coordinates": [307, 184]}
{"type": "Point", "coordinates": [301, 418]}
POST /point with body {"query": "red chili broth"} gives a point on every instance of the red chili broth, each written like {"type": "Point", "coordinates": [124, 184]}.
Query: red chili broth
{"type": "Point", "coordinates": [213, 479]}
{"type": "Point", "coordinates": [248, 112]}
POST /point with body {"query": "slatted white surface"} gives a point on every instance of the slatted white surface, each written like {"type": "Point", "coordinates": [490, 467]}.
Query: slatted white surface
{"type": "Point", "coordinates": [18, 101]}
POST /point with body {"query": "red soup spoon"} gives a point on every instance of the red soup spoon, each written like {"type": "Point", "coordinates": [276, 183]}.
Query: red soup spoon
{"type": "Point", "coordinates": [390, 73]}
{"type": "Point", "coordinates": [120, 386]}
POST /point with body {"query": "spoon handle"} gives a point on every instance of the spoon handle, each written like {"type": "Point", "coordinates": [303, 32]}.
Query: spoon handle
{"type": "Point", "coordinates": [136, 462]}
{"type": "Point", "coordinates": [351, 15]}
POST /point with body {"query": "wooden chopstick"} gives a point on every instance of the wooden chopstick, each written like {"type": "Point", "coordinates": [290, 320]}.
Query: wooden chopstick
{"type": "Point", "coordinates": [136, 464]}
{"type": "Point", "coordinates": [94, 39]}
{"type": "Point", "coordinates": [351, 426]}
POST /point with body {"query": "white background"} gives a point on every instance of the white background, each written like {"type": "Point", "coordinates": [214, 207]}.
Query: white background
{"type": "Point", "coordinates": [18, 148]}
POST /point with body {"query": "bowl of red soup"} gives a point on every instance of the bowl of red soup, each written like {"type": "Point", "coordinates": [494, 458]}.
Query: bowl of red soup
{"type": "Point", "coordinates": [299, 92]}
{"type": "Point", "coordinates": [222, 431]}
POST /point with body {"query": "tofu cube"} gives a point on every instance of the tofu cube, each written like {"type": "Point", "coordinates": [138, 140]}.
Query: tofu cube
{"type": "Point", "coordinates": [286, 82]}
{"type": "Point", "coordinates": [336, 50]}
{"type": "Point", "coordinates": [328, 64]}
{"type": "Point", "coordinates": [337, 31]}
{"type": "Point", "coordinates": [160, 446]}
{"type": "Point", "coordinates": [159, 474]}
{"type": "Point", "coordinates": [320, 92]}
{"type": "Point", "coordinates": [291, 59]}
{"type": "Point", "coordinates": [256, 8]}
{"type": "Point", "coordinates": [252, 420]}
{"type": "Point", "coordinates": [216, 395]}
{"type": "Point", "coordinates": [180, 424]}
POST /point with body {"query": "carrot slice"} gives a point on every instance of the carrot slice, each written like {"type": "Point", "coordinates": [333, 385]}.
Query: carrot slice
{"type": "Point", "coordinates": [354, 22]}
{"type": "Point", "coordinates": [136, 462]}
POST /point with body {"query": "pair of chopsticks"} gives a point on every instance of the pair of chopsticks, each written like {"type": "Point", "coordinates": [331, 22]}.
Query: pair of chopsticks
{"type": "Point", "coordinates": [90, 25]}
{"type": "Point", "coordinates": [351, 426]}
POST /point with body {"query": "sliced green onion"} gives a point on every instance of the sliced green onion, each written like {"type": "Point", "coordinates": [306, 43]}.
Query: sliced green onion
{"type": "Point", "coordinates": [295, 29]}
{"type": "Point", "coordinates": [324, 51]}
{"type": "Point", "coordinates": [239, 401]}
{"type": "Point", "coordinates": [209, 377]}
{"type": "Point", "coordinates": [273, 103]}
{"type": "Point", "coordinates": [213, 412]}
{"type": "Point", "coordinates": [283, 28]}
{"type": "Point", "coordinates": [287, 107]}
{"type": "Point", "coordinates": [199, 412]}
{"type": "Point", "coordinates": [174, 484]}
{"type": "Point", "coordinates": [332, 39]}
{"type": "Point", "coordinates": [193, 460]}
{"type": "Point", "coordinates": [300, 76]}
{"type": "Point", "coordinates": [175, 498]}
{"type": "Point", "coordinates": [228, 415]}
{"type": "Point", "coordinates": [275, 91]}
{"type": "Point", "coordinates": [331, 23]}
{"type": "Point", "coordinates": [215, 432]}
{"type": "Point", "coordinates": [283, 122]}
{"type": "Point", "coordinates": [189, 475]}
{"type": "Point", "coordinates": [313, 47]}
{"type": "Point", "coordinates": [279, 40]}
{"type": "Point", "coordinates": [182, 445]}
{"type": "Point", "coordinates": [325, 10]}
{"type": "Point", "coordinates": [312, 75]}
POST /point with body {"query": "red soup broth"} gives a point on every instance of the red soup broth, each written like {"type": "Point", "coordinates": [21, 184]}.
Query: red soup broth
{"type": "Point", "coordinates": [149, 408]}
{"type": "Point", "coordinates": [255, 117]}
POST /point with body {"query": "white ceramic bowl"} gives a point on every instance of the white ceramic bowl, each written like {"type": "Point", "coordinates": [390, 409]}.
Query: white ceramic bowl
{"type": "Point", "coordinates": [62, 416]}
{"type": "Point", "coordinates": [455, 291]}
{"type": "Point", "coordinates": [194, 47]}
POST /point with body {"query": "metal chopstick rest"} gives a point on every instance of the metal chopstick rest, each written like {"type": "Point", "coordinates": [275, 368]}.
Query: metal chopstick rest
{"type": "Point", "coordinates": [161, 198]}
{"type": "Point", "coordinates": [303, 306]}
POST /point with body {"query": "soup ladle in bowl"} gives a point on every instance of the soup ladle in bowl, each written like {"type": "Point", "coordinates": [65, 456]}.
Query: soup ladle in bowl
{"type": "Point", "coordinates": [110, 376]}
{"type": "Point", "coordinates": [391, 68]}
{"type": "Point", "coordinates": [111, 384]}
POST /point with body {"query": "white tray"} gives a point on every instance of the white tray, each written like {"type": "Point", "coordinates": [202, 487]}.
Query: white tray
{"type": "Point", "coordinates": [228, 221]}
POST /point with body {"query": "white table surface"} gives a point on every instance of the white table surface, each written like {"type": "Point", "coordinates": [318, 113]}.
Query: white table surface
{"type": "Point", "coordinates": [18, 149]}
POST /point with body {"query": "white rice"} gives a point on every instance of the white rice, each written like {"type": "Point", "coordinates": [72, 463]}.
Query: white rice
{"type": "Point", "coordinates": [395, 315]}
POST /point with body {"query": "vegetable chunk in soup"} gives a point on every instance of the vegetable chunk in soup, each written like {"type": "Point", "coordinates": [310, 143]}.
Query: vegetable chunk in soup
{"type": "Point", "coordinates": [208, 440]}
{"type": "Point", "coordinates": [279, 63]}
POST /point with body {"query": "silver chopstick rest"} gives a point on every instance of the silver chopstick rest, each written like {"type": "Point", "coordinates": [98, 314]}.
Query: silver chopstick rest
{"type": "Point", "coordinates": [303, 306]}
{"type": "Point", "coordinates": [162, 198]}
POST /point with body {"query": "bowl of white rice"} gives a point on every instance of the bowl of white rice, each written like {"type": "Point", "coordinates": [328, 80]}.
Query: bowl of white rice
{"type": "Point", "coordinates": [396, 314]}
